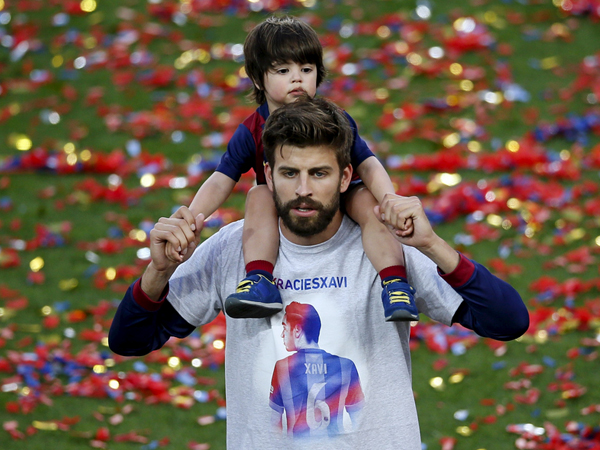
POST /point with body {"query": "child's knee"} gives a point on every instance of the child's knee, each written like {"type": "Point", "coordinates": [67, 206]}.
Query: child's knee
{"type": "Point", "coordinates": [259, 193]}
{"type": "Point", "coordinates": [259, 196]}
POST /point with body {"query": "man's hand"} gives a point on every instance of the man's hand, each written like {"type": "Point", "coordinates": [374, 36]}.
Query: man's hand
{"type": "Point", "coordinates": [182, 232]}
{"type": "Point", "coordinates": [395, 211]}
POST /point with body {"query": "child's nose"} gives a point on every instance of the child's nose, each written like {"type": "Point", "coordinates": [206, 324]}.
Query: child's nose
{"type": "Point", "coordinates": [296, 75]}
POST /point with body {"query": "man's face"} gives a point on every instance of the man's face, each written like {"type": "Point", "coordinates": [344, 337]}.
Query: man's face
{"type": "Point", "coordinates": [288, 336]}
{"type": "Point", "coordinates": [306, 184]}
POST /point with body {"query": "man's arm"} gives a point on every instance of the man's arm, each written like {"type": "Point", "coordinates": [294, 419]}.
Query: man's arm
{"type": "Point", "coordinates": [142, 325]}
{"type": "Point", "coordinates": [144, 321]}
{"type": "Point", "coordinates": [491, 307]}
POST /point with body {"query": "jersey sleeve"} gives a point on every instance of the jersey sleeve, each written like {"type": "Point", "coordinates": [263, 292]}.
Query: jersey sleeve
{"type": "Point", "coordinates": [275, 399]}
{"type": "Point", "coordinates": [470, 295]}
{"type": "Point", "coordinates": [360, 150]}
{"type": "Point", "coordinates": [240, 154]}
{"type": "Point", "coordinates": [491, 307]}
{"type": "Point", "coordinates": [356, 397]}
{"type": "Point", "coordinates": [141, 325]}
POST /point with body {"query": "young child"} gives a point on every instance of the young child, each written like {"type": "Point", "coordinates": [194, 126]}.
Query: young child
{"type": "Point", "coordinates": [284, 60]}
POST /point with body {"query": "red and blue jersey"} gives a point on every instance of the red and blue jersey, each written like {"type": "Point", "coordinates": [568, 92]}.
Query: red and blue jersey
{"type": "Point", "coordinates": [245, 149]}
{"type": "Point", "coordinates": [314, 388]}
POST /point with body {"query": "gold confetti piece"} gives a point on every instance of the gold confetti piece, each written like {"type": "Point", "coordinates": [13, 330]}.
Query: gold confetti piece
{"type": "Point", "coordinates": [456, 378]}
{"type": "Point", "coordinates": [29, 328]}
{"type": "Point", "coordinates": [464, 431]}
{"type": "Point", "coordinates": [88, 5]}
{"type": "Point", "coordinates": [557, 413]}
{"type": "Point", "coordinates": [107, 410]}
{"type": "Point", "coordinates": [437, 383]}
{"type": "Point", "coordinates": [36, 264]}
{"type": "Point", "coordinates": [46, 426]}
{"type": "Point", "coordinates": [68, 285]}
{"type": "Point", "coordinates": [550, 63]}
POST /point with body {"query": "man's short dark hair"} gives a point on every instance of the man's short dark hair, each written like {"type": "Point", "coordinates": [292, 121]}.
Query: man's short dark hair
{"type": "Point", "coordinates": [306, 317]}
{"type": "Point", "coordinates": [280, 40]}
{"type": "Point", "coordinates": [306, 123]}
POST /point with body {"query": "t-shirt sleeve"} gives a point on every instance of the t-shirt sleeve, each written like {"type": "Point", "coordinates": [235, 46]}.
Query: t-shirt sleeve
{"type": "Point", "coordinates": [240, 154]}
{"type": "Point", "coordinates": [434, 296]}
{"type": "Point", "coordinates": [360, 149]}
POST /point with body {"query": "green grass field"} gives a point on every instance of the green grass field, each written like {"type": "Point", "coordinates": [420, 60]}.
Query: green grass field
{"type": "Point", "coordinates": [112, 116]}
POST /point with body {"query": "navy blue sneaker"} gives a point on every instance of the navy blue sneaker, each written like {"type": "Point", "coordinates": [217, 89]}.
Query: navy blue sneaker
{"type": "Point", "coordinates": [255, 297]}
{"type": "Point", "coordinates": [398, 299]}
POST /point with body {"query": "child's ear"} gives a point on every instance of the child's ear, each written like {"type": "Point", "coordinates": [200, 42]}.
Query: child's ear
{"type": "Point", "coordinates": [256, 85]}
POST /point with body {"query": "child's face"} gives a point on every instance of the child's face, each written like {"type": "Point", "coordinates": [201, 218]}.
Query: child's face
{"type": "Point", "coordinates": [286, 82]}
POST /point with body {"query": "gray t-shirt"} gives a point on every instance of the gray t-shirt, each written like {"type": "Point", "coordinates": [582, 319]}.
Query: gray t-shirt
{"type": "Point", "coordinates": [355, 391]}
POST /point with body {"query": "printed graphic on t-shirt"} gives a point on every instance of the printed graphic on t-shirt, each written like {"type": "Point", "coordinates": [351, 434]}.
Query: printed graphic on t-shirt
{"type": "Point", "coordinates": [312, 390]}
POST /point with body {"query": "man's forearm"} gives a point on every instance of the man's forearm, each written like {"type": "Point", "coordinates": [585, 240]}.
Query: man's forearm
{"type": "Point", "coordinates": [142, 325]}
{"type": "Point", "coordinates": [154, 281]}
{"type": "Point", "coordinates": [442, 254]}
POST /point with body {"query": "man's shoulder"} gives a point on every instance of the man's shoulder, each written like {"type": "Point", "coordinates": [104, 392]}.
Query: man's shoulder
{"type": "Point", "coordinates": [227, 236]}
{"type": "Point", "coordinates": [230, 231]}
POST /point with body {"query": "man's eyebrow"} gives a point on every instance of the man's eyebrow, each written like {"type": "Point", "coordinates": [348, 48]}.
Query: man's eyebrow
{"type": "Point", "coordinates": [286, 168]}
{"type": "Point", "coordinates": [322, 168]}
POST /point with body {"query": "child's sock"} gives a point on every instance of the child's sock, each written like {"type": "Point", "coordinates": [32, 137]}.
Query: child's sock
{"type": "Point", "coordinates": [259, 267]}
{"type": "Point", "coordinates": [392, 272]}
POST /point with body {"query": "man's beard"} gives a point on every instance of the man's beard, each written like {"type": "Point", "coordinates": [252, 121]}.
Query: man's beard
{"type": "Point", "coordinates": [307, 226]}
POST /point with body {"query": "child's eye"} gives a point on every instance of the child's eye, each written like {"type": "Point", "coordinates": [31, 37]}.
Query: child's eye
{"type": "Point", "coordinates": [307, 69]}
{"type": "Point", "coordinates": [282, 71]}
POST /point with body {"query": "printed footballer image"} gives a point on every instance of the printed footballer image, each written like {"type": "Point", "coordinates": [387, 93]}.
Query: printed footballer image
{"type": "Point", "coordinates": [312, 391]}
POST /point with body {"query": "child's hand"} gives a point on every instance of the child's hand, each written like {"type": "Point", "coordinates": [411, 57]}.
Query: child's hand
{"type": "Point", "coordinates": [398, 224]}
{"type": "Point", "coordinates": [406, 219]}
{"type": "Point", "coordinates": [171, 253]}
{"type": "Point", "coordinates": [407, 229]}
{"type": "Point", "coordinates": [182, 231]}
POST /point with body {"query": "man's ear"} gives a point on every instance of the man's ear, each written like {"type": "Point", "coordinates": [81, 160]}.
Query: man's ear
{"type": "Point", "coordinates": [269, 176]}
{"type": "Point", "coordinates": [346, 178]}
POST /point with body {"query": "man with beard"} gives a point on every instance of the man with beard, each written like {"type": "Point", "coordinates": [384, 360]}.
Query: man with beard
{"type": "Point", "coordinates": [321, 263]}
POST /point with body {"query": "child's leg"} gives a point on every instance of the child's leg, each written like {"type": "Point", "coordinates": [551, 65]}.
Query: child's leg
{"type": "Point", "coordinates": [256, 295]}
{"type": "Point", "coordinates": [386, 255]}
{"type": "Point", "coordinates": [260, 240]}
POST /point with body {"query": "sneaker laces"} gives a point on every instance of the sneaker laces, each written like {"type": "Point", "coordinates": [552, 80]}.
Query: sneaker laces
{"type": "Point", "coordinates": [397, 296]}
{"type": "Point", "coordinates": [246, 285]}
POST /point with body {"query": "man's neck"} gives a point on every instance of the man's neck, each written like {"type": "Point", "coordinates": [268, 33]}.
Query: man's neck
{"type": "Point", "coordinates": [315, 239]}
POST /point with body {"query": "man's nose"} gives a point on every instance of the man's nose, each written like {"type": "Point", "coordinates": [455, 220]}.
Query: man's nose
{"type": "Point", "coordinates": [303, 188]}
